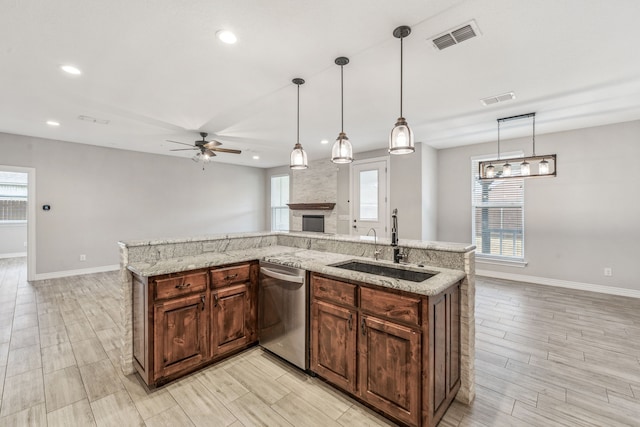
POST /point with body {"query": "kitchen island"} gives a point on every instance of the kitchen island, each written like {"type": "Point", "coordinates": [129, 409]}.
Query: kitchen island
{"type": "Point", "coordinates": [453, 263]}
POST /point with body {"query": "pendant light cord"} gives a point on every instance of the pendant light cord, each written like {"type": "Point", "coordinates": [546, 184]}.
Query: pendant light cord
{"type": "Point", "coordinates": [401, 62]}
{"type": "Point", "coordinates": [341, 99]}
{"type": "Point", "coordinates": [298, 122]}
{"type": "Point", "coordinates": [534, 135]}
{"type": "Point", "coordinates": [498, 139]}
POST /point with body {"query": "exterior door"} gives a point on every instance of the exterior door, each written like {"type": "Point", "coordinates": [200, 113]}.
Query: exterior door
{"type": "Point", "coordinates": [369, 207]}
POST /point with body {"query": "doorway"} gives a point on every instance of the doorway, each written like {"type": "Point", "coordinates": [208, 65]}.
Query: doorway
{"type": "Point", "coordinates": [18, 213]}
{"type": "Point", "coordinates": [369, 188]}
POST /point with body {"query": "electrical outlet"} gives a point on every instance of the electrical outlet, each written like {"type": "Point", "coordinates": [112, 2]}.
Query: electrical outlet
{"type": "Point", "coordinates": [608, 271]}
{"type": "Point", "coordinates": [83, 257]}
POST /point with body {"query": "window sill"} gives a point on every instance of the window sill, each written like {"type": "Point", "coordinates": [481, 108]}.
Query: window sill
{"type": "Point", "coordinates": [483, 259]}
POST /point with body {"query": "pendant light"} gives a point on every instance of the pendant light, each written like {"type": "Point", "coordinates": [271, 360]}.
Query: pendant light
{"type": "Point", "coordinates": [342, 152]}
{"type": "Point", "coordinates": [298, 155]}
{"type": "Point", "coordinates": [546, 164]}
{"type": "Point", "coordinates": [401, 138]}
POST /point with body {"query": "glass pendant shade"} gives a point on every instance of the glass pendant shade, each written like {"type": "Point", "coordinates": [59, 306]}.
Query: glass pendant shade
{"type": "Point", "coordinates": [490, 172]}
{"type": "Point", "coordinates": [506, 169]}
{"type": "Point", "coordinates": [401, 138]}
{"type": "Point", "coordinates": [342, 152]}
{"type": "Point", "coordinates": [525, 168]}
{"type": "Point", "coordinates": [543, 167]}
{"type": "Point", "coordinates": [298, 158]}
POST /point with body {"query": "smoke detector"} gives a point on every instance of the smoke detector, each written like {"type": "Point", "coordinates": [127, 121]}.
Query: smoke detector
{"type": "Point", "coordinates": [456, 35]}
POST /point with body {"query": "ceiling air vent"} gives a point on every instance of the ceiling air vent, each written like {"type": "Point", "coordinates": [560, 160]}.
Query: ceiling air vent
{"type": "Point", "coordinates": [498, 98]}
{"type": "Point", "coordinates": [456, 35]}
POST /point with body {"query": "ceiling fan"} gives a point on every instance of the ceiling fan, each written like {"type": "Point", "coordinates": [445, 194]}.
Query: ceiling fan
{"type": "Point", "coordinates": [207, 149]}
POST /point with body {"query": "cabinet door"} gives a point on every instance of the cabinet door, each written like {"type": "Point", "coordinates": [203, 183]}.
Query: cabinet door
{"type": "Point", "coordinates": [333, 344]}
{"type": "Point", "coordinates": [389, 368]}
{"type": "Point", "coordinates": [231, 318]}
{"type": "Point", "coordinates": [180, 334]}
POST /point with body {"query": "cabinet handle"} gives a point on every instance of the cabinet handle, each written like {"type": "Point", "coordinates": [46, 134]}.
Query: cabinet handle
{"type": "Point", "coordinates": [363, 327]}
{"type": "Point", "coordinates": [350, 320]}
{"type": "Point", "coordinates": [231, 276]}
{"type": "Point", "coordinates": [215, 300]}
{"type": "Point", "coordinates": [202, 299]}
{"type": "Point", "coordinates": [183, 286]}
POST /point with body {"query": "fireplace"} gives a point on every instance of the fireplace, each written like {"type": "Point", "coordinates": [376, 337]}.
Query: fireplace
{"type": "Point", "coordinates": [313, 223]}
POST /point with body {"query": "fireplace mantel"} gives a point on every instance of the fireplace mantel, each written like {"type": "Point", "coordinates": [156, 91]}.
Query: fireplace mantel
{"type": "Point", "coordinates": [311, 206]}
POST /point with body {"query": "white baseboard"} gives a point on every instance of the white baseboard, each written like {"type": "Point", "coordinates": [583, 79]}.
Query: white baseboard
{"type": "Point", "coordinates": [67, 273]}
{"type": "Point", "coordinates": [14, 255]}
{"type": "Point", "coordinates": [611, 290]}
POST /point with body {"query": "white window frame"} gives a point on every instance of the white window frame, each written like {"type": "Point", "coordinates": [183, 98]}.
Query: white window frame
{"type": "Point", "coordinates": [284, 208]}
{"type": "Point", "coordinates": [518, 261]}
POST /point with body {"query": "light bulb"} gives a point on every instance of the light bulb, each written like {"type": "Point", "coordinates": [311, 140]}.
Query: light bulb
{"type": "Point", "coordinates": [543, 167]}
{"type": "Point", "coordinates": [525, 168]}
{"type": "Point", "coordinates": [490, 171]}
{"type": "Point", "coordinates": [506, 169]}
{"type": "Point", "coordinates": [342, 152]}
{"type": "Point", "coordinates": [298, 158]}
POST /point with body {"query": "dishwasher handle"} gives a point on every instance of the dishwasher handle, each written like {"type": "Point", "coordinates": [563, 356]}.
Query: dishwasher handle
{"type": "Point", "coordinates": [282, 276]}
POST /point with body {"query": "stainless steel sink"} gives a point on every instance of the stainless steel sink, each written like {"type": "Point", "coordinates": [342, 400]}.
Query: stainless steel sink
{"type": "Point", "coordinates": [385, 270]}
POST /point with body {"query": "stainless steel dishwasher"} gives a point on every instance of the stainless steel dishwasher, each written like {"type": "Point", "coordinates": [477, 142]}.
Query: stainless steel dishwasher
{"type": "Point", "coordinates": [282, 313]}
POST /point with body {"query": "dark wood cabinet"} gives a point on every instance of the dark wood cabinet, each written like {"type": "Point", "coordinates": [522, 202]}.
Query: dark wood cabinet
{"type": "Point", "coordinates": [180, 334]}
{"type": "Point", "coordinates": [333, 343]}
{"type": "Point", "coordinates": [184, 321]}
{"type": "Point", "coordinates": [405, 348]}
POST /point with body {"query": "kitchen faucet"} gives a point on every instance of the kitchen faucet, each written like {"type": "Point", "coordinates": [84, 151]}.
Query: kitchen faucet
{"type": "Point", "coordinates": [398, 255]}
{"type": "Point", "coordinates": [376, 252]}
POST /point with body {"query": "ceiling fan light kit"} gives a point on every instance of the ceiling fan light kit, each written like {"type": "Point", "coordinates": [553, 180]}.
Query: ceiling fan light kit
{"type": "Point", "coordinates": [298, 155]}
{"type": "Point", "coordinates": [207, 149]}
{"type": "Point", "coordinates": [530, 167]}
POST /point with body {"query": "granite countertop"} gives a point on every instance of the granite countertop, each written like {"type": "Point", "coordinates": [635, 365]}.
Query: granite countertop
{"type": "Point", "coordinates": [405, 243]}
{"type": "Point", "coordinates": [315, 261]}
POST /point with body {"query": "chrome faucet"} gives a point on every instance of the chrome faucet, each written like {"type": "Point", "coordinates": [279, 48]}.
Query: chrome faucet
{"type": "Point", "coordinates": [376, 252]}
{"type": "Point", "coordinates": [398, 255]}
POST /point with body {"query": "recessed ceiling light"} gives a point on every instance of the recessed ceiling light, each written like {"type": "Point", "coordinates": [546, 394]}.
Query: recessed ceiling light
{"type": "Point", "coordinates": [324, 141]}
{"type": "Point", "coordinates": [226, 36]}
{"type": "Point", "coordinates": [53, 123]}
{"type": "Point", "coordinates": [71, 70]}
{"type": "Point", "coordinates": [256, 157]}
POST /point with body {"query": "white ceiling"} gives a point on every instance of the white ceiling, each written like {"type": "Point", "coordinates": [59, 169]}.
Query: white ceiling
{"type": "Point", "coordinates": [155, 70]}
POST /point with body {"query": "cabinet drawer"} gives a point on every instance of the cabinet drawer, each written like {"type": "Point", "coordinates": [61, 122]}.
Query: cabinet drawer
{"type": "Point", "coordinates": [228, 275]}
{"type": "Point", "coordinates": [333, 290]}
{"type": "Point", "coordinates": [391, 306]}
{"type": "Point", "coordinates": [172, 287]}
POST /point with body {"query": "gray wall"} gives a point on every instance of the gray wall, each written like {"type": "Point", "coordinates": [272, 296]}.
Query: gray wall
{"type": "Point", "coordinates": [12, 239]}
{"type": "Point", "coordinates": [585, 219]}
{"type": "Point", "coordinates": [101, 195]}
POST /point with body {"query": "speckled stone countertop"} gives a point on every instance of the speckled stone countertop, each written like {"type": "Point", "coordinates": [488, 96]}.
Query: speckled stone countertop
{"type": "Point", "coordinates": [406, 243]}
{"type": "Point", "coordinates": [315, 261]}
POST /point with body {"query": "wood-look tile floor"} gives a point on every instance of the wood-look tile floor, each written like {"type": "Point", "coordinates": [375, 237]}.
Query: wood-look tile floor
{"type": "Point", "coordinates": [545, 357]}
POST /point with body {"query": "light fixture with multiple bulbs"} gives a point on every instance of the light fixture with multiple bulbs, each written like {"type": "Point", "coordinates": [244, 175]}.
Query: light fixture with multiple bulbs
{"type": "Point", "coordinates": [342, 151]}
{"type": "Point", "coordinates": [401, 138]}
{"type": "Point", "coordinates": [298, 155]}
{"type": "Point", "coordinates": [546, 165]}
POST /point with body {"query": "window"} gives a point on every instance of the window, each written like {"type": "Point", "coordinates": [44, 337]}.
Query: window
{"type": "Point", "coordinates": [498, 214]}
{"type": "Point", "coordinates": [279, 200]}
{"type": "Point", "coordinates": [13, 197]}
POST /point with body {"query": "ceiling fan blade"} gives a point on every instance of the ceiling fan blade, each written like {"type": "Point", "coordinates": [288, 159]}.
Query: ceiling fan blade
{"type": "Point", "coordinates": [176, 142]}
{"type": "Point", "coordinates": [183, 149]}
{"type": "Point", "coordinates": [226, 150]}
{"type": "Point", "coordinates": [212, 143]}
